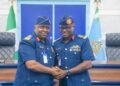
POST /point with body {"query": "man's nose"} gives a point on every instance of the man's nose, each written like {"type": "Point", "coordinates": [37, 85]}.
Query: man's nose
{"type": "Point", "coordinates": [44, 29]}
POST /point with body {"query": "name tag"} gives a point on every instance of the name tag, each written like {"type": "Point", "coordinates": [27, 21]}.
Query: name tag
{"type": "Point", "coordinates": [45, 58]}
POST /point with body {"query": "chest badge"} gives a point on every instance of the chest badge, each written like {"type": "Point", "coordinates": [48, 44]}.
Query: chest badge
{"type": "Point", "coordinates": [75, 48]}
{"type": "Point", "coordinates": [41, 47]}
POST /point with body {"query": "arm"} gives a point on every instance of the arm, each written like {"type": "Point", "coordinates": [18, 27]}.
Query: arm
{"type": "Point", "coordinates": [81, 67]}
{"type": "Point", "coordinates": [87, 57]}
{"type": "Point", "coordinates": [28, 54]}
{"type": "Point", "coordinates": [34, 65]}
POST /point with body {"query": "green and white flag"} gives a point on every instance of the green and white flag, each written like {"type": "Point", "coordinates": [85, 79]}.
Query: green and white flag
{"type": "Point", "coordinates": [11, 27]}
{"type": "Point", "coordinates": [11, 21]}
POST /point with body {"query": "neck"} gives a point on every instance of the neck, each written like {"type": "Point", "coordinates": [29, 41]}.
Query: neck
{"type": "Point", "coordinates": [43, 40]}
{"type": "Point", "coordinates": [66, 39]}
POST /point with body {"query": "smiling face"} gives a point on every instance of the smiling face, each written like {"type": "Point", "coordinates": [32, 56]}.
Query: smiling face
{"type": "Point", "coordinates": [42, 31]}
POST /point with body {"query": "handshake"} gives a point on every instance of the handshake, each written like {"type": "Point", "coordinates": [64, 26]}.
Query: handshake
{"type": "Point", "coordinates": [58, 73]}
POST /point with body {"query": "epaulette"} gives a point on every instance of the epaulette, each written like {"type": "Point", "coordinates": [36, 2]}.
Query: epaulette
{"type": "Point", "coordinates": [57, 39]}
{"type": "Point", "coordinates": [81, 36]}
{"type": "Point", "coordinates": [28, 37]}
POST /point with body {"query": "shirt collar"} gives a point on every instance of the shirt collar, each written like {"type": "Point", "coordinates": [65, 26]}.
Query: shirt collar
{"type": "Point", "coordinates": [72, 39]}
{"type": "Point", "coordinates": [38, 39]}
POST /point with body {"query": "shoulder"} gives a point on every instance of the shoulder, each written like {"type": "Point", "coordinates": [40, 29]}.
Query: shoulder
{"type": "Point", "coordinates": [28, 37]}
{"type": "Point", "coordinates": [28, 40]}
{"type": "Point", "coordinates": [57, 40]}
{"type": "Point", "coordinates": [82, 37]}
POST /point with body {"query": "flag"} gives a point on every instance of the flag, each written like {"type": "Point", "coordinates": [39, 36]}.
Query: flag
{"type": "Point", "coordinates": [95, 37]}
{"type": "Point", "coordinates": [11, 22]}
{"type": "Point", "coordinates": [11, 27]}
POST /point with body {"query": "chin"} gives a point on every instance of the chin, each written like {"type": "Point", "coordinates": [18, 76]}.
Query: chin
{"type": "Point", "coordinates": [44, 37]}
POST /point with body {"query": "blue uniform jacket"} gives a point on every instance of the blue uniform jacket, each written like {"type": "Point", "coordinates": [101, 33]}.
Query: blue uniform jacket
{"type": "Point", "coordinates": [70, 55]}
{"type": "Point", "coordinates": [31, 49]}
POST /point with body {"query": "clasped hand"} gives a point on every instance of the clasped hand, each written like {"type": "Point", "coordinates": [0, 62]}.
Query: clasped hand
{"type": "Point", "coordinates": [58, 73]}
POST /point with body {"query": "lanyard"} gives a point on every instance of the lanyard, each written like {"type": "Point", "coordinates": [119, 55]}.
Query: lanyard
{"type": "Point", "coordinates": [45, 57]}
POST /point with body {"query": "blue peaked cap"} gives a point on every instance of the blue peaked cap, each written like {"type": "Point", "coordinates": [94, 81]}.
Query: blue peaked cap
{"type": "Point", "coordinates": [66, 21]}
{"type": "Point", "coordinates": [42, 21]}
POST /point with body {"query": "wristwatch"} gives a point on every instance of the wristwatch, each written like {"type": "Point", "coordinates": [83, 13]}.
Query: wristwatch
{"type": "Point", "coordinates": [68, 72]}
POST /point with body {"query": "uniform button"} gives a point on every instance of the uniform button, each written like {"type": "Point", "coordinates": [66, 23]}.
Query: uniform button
{"type": "Point", "coordinates": [65, 58]}
{"type": "Point", "coordinates": [67, 77]}
{"type": "Point", "coordinates": [75, 53]}
{"type": "Point", "coordinates": [36, 81]}
{"type": "Point", "coordinates": [70, 49]}
{"type": "Point", "coordinates": [66, 67]}
{"type": "Point", "coordinates": [82, 80]}
{"type": "Point", "coordinates": [65, 48]}
{"type": "Point", "coordinates": [50, 57]}
{"type": "Point", "coordinates": [47, 48]}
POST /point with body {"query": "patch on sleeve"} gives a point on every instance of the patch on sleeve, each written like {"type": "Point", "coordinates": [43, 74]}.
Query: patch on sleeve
{"type": "Point", "coordinates": [28, 37]}
{"type": "Point", "coordinates": [81, 36]}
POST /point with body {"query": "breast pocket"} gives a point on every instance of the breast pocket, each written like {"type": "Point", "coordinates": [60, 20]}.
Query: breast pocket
{"type": "Point", "coordinates": [39, 54]}
{"type": "Point", "coordinates": [39, 51]}
{"type": "Point", "coordinates": [75, 54]}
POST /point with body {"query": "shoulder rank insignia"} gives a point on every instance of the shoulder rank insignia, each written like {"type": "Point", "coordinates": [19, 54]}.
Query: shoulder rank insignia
{"type": "Point", "coordinates": [52, 50]}
{"type": "Point", "coordinates": [28, 37]}
{"type": "Point", "coordinates": [81, 36]}
{"type": "Point", "coordinates": [57, 39]}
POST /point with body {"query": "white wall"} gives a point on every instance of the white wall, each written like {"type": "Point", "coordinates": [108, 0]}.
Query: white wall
{"type": "Point", "coordinates": [4, 8]}
{"type": "Point", "coordinates": [110, 16]}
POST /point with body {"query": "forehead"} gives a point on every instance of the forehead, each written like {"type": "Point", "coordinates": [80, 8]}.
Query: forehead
{"type": "Point", "coordinates": [42, 25]}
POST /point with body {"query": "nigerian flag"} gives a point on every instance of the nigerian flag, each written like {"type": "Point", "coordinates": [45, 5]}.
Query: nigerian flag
{"type": "Point", "coordinates": [11, 27]}
{"type": "Point", "coordinates": [95, 37]}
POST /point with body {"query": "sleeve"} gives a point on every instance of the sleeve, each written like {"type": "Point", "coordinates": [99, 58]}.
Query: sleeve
{"type": "Point", "coordinates": [87, 53]}
{"type": "Point", "coordinates": [27, 52]}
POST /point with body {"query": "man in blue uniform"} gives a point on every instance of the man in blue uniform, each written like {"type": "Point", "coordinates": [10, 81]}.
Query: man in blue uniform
{"type": "Point", "coordinates": [74, 55]}
{"type": "Point", "coordinates": [36, 57]}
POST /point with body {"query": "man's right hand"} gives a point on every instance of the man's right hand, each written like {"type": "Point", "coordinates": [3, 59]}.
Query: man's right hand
{"type": "Point", "coordinates": [55, 71]}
